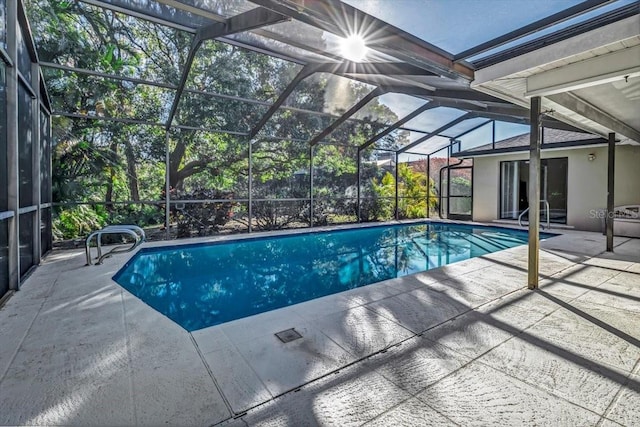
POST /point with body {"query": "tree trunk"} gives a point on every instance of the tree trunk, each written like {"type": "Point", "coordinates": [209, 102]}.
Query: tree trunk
{"type": "Point", "coordinates": [131, 172]}
{"type": "Point", "coordinates": [112, 175]}
{"type": "Point", "coordinates": [176, 157]}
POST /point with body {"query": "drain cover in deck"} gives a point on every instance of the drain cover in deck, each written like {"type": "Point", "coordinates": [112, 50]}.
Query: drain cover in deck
{"type": "Point", "coordinates": [288, 335]}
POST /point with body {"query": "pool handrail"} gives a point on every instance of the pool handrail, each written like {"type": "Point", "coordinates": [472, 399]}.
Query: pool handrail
{"type": "Point", "coordinates": [131, 227]}
{"type": "Point", "coordinates": [133, 231]}
{"type": "Point", "coordinates": [548, 212]}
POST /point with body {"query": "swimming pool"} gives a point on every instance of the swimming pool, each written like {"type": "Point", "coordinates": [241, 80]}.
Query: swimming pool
{"type": "Point", "coordinates": [201, 285]}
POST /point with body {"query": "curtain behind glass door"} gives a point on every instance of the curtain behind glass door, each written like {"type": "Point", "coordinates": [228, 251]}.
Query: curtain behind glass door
{"type": "Point", "coordinates": [509, 191]}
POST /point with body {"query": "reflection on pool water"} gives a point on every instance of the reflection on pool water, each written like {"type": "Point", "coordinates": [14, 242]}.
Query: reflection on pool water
{"type": "Point", "coordinates": [202, 285]}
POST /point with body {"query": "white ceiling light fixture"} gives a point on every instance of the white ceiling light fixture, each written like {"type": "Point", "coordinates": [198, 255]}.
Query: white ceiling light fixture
{"type": "Point", "coordinates": [354, 48]}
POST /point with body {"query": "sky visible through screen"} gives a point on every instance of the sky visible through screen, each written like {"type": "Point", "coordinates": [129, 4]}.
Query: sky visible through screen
{"type": "Point", "coordinates": [457, 25]}
{"type": "Point", "coordinates": [435, 118]}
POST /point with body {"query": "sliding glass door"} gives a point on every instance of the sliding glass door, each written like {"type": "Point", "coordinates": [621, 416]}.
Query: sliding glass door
{"type": "Point", "coordinates": [510, 182]}
{"type": "Point", "coordinates": [514, 188]}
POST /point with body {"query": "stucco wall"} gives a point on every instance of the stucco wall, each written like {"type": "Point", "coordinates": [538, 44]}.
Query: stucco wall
{"type": "Point", "coordinates": [586, 183]}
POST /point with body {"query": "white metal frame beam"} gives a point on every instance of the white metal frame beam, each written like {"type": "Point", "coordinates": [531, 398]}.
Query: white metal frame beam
{"type": "Point", "coordinates": [575, 103]}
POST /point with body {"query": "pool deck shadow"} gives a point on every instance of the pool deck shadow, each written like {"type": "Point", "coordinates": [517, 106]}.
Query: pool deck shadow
{"type": "Point", "coordinates": [463, 344]}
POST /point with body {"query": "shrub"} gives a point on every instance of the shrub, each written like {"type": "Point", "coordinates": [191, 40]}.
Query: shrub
{"type": "Point", "coordinates": [203, 218]}
{"type": "Point", "coordinates": [77, 221]}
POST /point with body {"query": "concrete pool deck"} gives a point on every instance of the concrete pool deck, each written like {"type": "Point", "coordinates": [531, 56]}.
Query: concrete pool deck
{"type": "Point", "coordinates": [464, 344]}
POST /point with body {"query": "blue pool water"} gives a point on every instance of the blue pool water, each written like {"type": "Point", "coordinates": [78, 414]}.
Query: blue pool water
{"type": "Point", "coordinates": [203, 285]}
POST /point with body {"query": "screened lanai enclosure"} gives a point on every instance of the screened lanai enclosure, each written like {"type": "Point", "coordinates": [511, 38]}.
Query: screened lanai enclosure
{"type": "Point", "coordinates": [25, 152]}
{"type": "Point", "coordinates": [199, 117]}
{"type": "Point", "coordinates": [230, 116]}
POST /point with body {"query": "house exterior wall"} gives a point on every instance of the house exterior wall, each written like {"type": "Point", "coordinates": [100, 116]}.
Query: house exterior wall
{"type": "Point", "coordinates": [586, 183]}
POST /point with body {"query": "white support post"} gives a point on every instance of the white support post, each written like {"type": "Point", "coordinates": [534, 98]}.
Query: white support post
{"type": "Point", "coordinates": [534, 194]}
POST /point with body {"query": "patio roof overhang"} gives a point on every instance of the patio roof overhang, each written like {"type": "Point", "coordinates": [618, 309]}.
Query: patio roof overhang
{"type": "Point", "coordinates": [591, 81]}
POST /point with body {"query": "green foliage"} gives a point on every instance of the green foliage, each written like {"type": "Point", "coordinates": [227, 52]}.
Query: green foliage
{"type": "Point", "coordinates": [201, 219]}
{"type": "Point", "coordinates": [377, 203]}
{"type": "Point", "coordinates": [335, 160]}
{"type": "Point", "coordinates": [77, 221]}
{"type": "Point", "coordinates": [274, 215]}
{"type": "Point", "coordinates": [384, 194]}
{"type": "Point", "coordinates": [142, 215]}
{"type": "Point", "coordinates": [460, 185]}
{"type": "Point", "coordinates": [413, 193]}
{"type": "Point", "coordinates": [412, 200]}
{"type": "Point", "coordinates": [71, 222]}
{"type": "Point", "coordinates": [112, 162]}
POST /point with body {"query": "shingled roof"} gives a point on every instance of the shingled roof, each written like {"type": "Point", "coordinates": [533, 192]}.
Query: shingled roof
{"type": "Point", "coordinates": [552, 138]}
